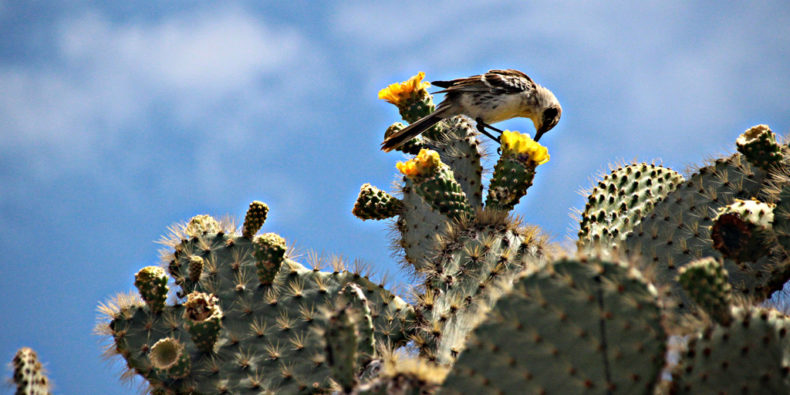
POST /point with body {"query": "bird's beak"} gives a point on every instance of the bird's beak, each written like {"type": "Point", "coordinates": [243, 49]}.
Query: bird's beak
{"type": "Point", "coordinates": [541, 130]}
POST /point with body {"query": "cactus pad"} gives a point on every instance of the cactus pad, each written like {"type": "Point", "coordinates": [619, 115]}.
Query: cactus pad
{"type": "Point", "coordinates": [373, 203]}
{"type": "Point", "coordinates": [705, 281]}
{"type": "Point", "coordinates": [759, 146]}
{"type": "Point", "coordinates": [254, 219]}
{"type": "Point", "coordinates": [750, 356]}
{"type": "Point", "coordinates": [620, 200]}
{"type": "Point", "coordinates": [575, 326]}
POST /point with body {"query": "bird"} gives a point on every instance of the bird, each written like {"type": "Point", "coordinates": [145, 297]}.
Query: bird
{"type": "Point", "coordinates": [495, 96]}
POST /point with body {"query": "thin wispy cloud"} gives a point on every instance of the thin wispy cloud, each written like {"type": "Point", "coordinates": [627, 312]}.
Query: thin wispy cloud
{"type": "Point", "coordinates": [106, 79]}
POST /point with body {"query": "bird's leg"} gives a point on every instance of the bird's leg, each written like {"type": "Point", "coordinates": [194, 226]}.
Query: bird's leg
{"type": "Point", "coordinates": [481, 128]}
{"type": "Point", "coordinates": [493, 128]}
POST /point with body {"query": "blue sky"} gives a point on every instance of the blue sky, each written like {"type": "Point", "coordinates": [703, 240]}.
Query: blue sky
{"type": "Point", "coordinates": [118, 120]}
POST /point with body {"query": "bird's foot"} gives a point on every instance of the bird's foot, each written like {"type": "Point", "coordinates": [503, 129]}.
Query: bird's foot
{"type": "Point", "coordinates": [481, 127]}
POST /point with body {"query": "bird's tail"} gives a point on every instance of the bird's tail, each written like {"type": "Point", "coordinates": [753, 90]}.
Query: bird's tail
{"type": "Point", "coordinates": [413, 130]}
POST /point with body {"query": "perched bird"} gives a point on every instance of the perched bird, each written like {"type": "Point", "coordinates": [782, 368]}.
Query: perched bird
{"type": "Point", "coordinates": [495, 96]}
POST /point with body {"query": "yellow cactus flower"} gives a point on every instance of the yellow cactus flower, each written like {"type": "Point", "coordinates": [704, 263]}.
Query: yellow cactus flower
{"type": "Point", "coordinates": [423, 163]}
{"type": "Point", "coordinates": [398, 93]}
{"type": "Point", "coordinates": [521, 145]}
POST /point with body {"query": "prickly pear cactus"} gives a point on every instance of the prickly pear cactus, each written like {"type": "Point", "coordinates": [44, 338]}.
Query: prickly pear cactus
{"type": "Point", "coordinates": [466, 255]}
{"type": "Point", "coordinates": [617, 204]}
{"type": "Point", "coordinates": [30, 377]}
{"type": "Point", "coordinates": [748, 356]}
{"type": "Point", "coordinates": [240, 331]}
{"type": "Point", "coordinates": [679, 229]}
{"type": "Point", "coordinates": [477, 261]}
{"type": "Point", "coordinates": [493, 311]}
{"type": "Point", "coordinates": [574, 326]}
{"type": "Point", "coordinates": [706, 283]}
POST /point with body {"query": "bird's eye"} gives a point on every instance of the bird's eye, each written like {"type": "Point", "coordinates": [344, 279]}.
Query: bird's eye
{"type": "Point", "coordinates": [549, 114]}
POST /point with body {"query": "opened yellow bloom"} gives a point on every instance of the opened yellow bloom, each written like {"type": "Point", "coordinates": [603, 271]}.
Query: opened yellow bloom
{"type": "Point", "coordinates": [397, 93]}
{"type": "Point", "coordinates": [423, 163]}
{"type": "Point", "coordinates": [523, 146]}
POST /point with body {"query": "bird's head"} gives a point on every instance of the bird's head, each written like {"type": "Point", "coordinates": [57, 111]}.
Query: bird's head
{"type": "Point", "coordinates": [548, 115]}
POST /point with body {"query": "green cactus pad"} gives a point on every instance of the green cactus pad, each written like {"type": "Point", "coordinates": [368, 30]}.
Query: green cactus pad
{"type": "Point", "coordinates": [269, 254]}
{"type": "Point", "coordinates": [705, 281]}
{"type": "Point", "coordinates": [352, 298]}
{"type": "Point", "coordinates": [575, 326]}
{"type": "Point", "coordinates": [510, 182]}
{"type": "Point", "coordinates": [515, 169]}
{"type": "Point", "coordinates": [476, 263]}
{"type": "Point", "coordinates": [741, 230]}
{"type": "Point", "coordinates": [203, 319]}
{"type": "Point", "coordinates": [460, 150]}
{"type": "Point", "coordinates": [341, 347]}
{"type": "Point", "coordinates": [253, 221]}
{"type": "Point", "coordinates": [151, 281]}
{"type": "Point", "coordinates": [411, 147]}
{"type": "Point", "coordinates": [271, 337]}
{"type": "Point", "coordinates": [411, 97]}
{"type": "Point", "coordinates": [418, 106]}
{"type": "Point", "coordinates": [617, 204]}
{"type": "Point", "coordinates": [29, 375]}
{"type": "Point", "coordinates": [373, 203]}
{"type": "Point", "coordinates": [444, 194]}
{"type": "Point", "coordinates": [677, 231]}
{"type": "Point", "coordinates": [435, 183]}
{"type": "Point", "coordinates": [781, 225]}
{"type": "Point", "coordinates": [759, 146]}
{"type": "Point", "coordinates": [750, 356]}
{"type": "Point", "coordinates": [419, 222]}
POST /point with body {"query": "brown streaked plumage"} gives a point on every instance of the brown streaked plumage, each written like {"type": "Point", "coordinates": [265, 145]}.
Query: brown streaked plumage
{"type": "Point", "coordinates": [495, 96]}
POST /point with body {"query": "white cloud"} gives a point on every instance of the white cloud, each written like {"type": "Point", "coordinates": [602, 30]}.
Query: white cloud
{"type": "Point", "coordinates": [208, 51]}
{"type": "Point", "coordinates": [205, 71]}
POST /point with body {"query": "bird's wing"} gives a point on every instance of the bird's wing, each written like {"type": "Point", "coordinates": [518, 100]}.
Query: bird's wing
{"type": "Point", "coordinates": [494, 81]}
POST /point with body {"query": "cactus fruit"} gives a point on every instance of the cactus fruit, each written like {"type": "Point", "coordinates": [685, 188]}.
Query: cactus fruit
{"type": "Point", "coordinates": [151, 281]}
{"type": "Point", "coordinates": [202, 224]}
{"type": "Point", "coordinates": [373, 203]}
{"type": "Point", "coordinates": [203, 319]}
{"type": "Point", "coordinates": [434, 181]}
{"type": "Point", "coordinates": [196, 264]}
{"type": "Point", "coordinates": [759, 146]}
{"type": "Point", "coordinates": [705, 281]}
{"type": "Point", "coordinates": [574, 326]}
{"type": "Point", "coordinates": [620, 200]}
{"type": "Point", "coordinates": [269, 254]}
{"type": "Point", "coordinates": [514, 171]}
{"type": "Point", "coordinates": [29, 376]}
{"type": "Point", "coordinates": [253, 221]}
{"type": "Point", "coordinates": [741, 230]}
{"type": "Point", "coordinates": [169, 359]}
{"type": "Point", "coordinates": [749, 356]}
